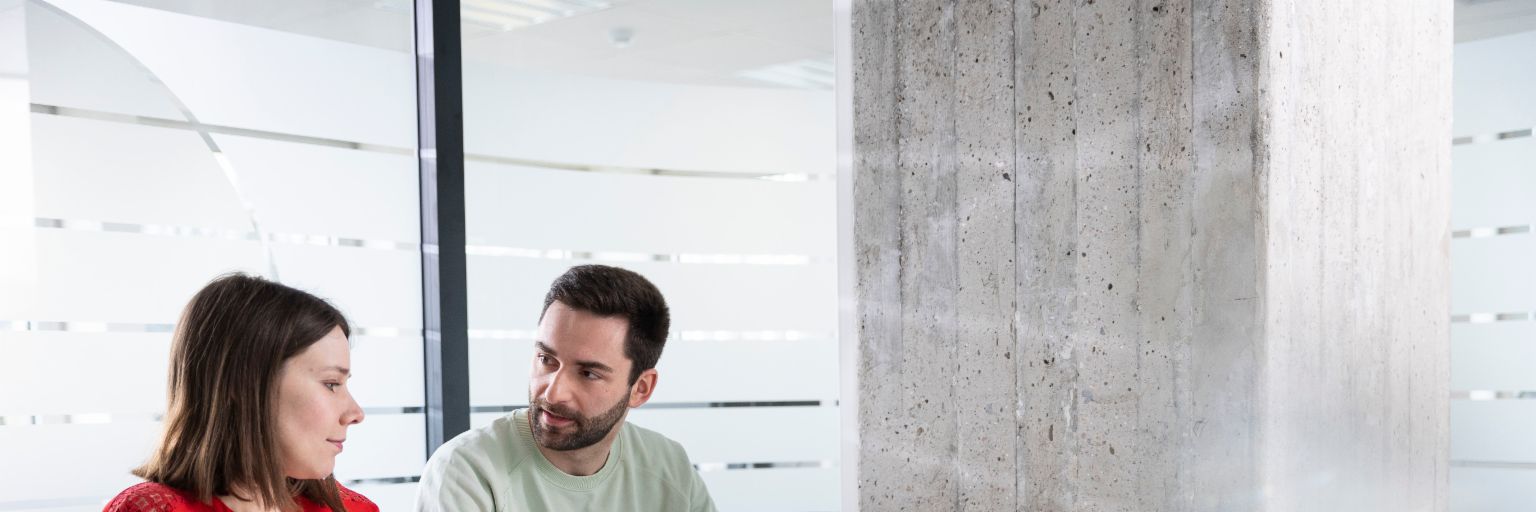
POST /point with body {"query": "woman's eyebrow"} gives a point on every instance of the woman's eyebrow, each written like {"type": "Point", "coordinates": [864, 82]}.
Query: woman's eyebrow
{"type": "Point", "coordinates": [344, 370]}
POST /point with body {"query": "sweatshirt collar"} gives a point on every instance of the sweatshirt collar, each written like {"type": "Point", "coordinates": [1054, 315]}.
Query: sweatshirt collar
{"type": "Point", "coordinates": [560, 478]}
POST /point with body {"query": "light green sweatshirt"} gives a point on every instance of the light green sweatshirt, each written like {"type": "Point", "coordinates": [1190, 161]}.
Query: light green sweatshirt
{"type": "Point", "coordinates": [498, 468]}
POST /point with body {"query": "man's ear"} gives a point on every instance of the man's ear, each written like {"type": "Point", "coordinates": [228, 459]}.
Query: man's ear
{"type": "Point", "coordinates": [640, 392]}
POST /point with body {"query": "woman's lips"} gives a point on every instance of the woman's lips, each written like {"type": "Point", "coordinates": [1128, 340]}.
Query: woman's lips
{"type": "Point", "coordinates": [337, 443]}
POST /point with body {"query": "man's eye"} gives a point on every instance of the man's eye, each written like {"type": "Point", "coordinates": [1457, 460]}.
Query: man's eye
{"type": "Point", "coordinates": [591, 375]}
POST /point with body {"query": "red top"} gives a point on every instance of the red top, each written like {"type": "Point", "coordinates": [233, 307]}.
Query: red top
{"type": "Point", "coordinates": [153, 497]}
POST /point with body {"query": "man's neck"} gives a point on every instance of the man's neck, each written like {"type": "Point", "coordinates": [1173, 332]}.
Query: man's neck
{"type": "Point", "coordinates": [581, 461]}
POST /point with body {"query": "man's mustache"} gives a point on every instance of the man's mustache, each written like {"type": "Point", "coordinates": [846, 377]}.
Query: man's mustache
{"type": "Point", "coordinates": [540, 405]}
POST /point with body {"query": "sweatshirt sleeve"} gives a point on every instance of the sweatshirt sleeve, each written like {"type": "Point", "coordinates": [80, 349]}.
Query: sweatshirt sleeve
{"type": "Point", "coordinates": [452, 482]}
{"type": "Point", "coordinates": [700, 499]}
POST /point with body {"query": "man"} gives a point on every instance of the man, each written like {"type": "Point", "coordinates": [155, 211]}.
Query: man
{"type": "Point", "coordinates": [595, 354]}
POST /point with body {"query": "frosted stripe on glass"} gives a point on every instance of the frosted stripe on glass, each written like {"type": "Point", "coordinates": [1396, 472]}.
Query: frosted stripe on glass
{"type": "Point", "coordinates": [68, 65]}
{"type": "Point", "coordinates": [86, 169]}
{"type": "Point", "coordinates": [1493, 431]}
{"type": "Point", "coordinates": [44, 371]}
{"type": "Point", "coordinates": [387, 371]}
{"type": "Point", "coordinates": [92, 504]}
{"type": "Point", "coordinates": [481, 419]}
{"type": "Point", "coordinates": [240, 75]}
{"type": "Point", "coordinates": [1492, 489]}
{"type": "Point", "coordinates": [508, 293]}
{"type": "Point", "coordinates": [641, 123]}
{"type": "Point", "coordinates": [748, 434]}
{"type": "Point", "coordinates": [383, 446]}
{"type": "Point", "coordinates": [1493, 356]}
{"type": "Point", "coordinates": [1493, 183]}
{"type": "Point", "coordinates": [374, 448]}
{"type": "Point", "coordinates": [1490, 88]}
{"type": "Point", "coordinates": [47, 373]}
{"type": "Point", "coordinates": [157, 275]}
{"type": "Point", "coordinates": [704, 371]}
{"type": "Point", "coordinates": [389, 496]}
{"type": "Point", "coordinates": [151, 278]}
{"type": "Point", "coordinates": [689, 371]}
{"type": "Point", "coordinates": [69, 461]}
{"type": "Point", "coordinates": [540, 208]}
{"type": "Point", "coordinates": [776, 490]}
{"type": "Point", "coordinates": [373, 288]}
{"type": "Point", "coordinates": [699, 431]}
{"type": "Point", "coordinates": [305, 188]}
{"type": "Point", "coordinates": [1493, 274]}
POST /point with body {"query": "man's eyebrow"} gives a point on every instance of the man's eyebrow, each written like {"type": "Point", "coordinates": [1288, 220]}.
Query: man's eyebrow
{"type": "Point", "coordinates": [582, 364]}
{"type": "Point", "coordinates": [594, 365]}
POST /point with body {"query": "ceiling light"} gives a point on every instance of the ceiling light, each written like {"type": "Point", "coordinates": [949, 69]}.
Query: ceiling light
{"type": "Point", "coordinates": [801, 74]}
{"type": "Point", "coordinates": [514, 14]}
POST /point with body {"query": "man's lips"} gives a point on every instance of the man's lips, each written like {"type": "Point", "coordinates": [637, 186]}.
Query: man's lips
{"type": "Point", "coordinates": [555, 420]}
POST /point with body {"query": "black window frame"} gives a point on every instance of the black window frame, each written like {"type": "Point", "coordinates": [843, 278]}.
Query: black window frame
{"type": "Point", "coordinates": [440, 160]}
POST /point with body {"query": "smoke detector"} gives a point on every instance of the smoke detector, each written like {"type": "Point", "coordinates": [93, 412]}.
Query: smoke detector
{"type": "Point", "coordinates": [621, 37]}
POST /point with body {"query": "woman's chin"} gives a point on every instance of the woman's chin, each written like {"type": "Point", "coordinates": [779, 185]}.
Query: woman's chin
{"type": "Point", "coordinates": [311, 473]}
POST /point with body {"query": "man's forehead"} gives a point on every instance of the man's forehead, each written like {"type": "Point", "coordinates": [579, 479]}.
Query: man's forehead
{"type": "Point", "coordinates": [576, 345]}
{"type": "Point", "coordinates": [565, 320]}
{"type": "Point", "coordinates": [572, 333]}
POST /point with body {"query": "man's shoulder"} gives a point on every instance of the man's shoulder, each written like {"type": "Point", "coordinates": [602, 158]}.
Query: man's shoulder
{"type": "Point", "coordinates": [658, 456]}
{"type": "Point", "coordinates": [652, 449]}
{"type": "Point", "coordinates": [496, 444]}
{"type": "Point", "coordinates": [468, 471]}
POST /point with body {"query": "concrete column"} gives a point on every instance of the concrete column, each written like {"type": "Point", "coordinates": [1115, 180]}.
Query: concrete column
{"type": "Point", "coordinates": [1152, 255]}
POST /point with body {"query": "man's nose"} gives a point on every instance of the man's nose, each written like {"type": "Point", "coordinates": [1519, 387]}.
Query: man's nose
{"type": "Point", "coordinates": [557, 392]}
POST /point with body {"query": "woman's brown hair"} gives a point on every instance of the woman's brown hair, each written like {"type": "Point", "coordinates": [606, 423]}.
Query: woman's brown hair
{"type": "Point", "coordinates": [228, 351]}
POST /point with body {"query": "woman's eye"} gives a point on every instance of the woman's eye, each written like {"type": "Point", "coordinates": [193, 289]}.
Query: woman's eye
{"type": "Point", "coordinates": [332, 385]}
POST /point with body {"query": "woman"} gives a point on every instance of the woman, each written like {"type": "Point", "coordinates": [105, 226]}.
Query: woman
{"type": "Point", "coordinates": [258, 409]}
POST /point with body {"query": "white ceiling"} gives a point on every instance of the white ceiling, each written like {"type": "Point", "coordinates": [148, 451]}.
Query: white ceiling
{"type": "Point", "coordinates": [692, 41]}
{"type": "Point", "coordinates": [377, 23]}
{"type": "Point", "coordinates": [1482, 19]}
{"type": "Point", "coordinates": [687, 41]}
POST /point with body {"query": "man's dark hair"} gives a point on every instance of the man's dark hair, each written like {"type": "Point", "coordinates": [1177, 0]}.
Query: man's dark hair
{"type": "Point", "coordinates": [611, 291]}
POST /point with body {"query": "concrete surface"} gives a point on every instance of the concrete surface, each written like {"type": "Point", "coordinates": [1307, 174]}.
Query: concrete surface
{"type": "Point", "coordinates": [1143, 255]}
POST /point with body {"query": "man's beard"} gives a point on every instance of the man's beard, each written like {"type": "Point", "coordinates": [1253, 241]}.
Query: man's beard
{"type": "Point", "coordinates": [587, 430]}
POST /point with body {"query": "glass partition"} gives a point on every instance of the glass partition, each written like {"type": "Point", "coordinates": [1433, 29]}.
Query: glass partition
{"type": "Point", "coordinates": [693, 142]}
{"type": "Point", "coordinates": [149, 146]}
{"type": "Point", "coordinates": [1493, 359]}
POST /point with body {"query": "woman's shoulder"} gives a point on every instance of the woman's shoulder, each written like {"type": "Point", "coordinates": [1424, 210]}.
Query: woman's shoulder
{"type": "Point", "coordinates": [355, 502]}
{"type": "Point", "coordinates": [153, 497]}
